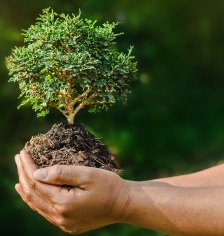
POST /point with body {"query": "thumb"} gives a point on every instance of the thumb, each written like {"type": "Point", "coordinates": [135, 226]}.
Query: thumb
{"type": "Point", "coordinates": [63, 175]}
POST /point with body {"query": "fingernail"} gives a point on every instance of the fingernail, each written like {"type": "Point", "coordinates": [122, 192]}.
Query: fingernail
{"type": "Point", "coordinates": [17, 187]}
{"type": "Point", "coordinates": [41, 174]}
{"type": "Point", "coordinates": [17, 159]}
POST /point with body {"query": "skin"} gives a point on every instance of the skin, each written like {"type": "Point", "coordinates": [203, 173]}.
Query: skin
{"type": "Point", "coordinates": [182, 205]}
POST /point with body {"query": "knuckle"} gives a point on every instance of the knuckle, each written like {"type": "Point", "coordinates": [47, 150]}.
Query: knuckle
{"type": "Point", "coordinates": [57, 172]}
{"type": "Point", "coordinates": [91, 174]}
{"type": "Point", "coordinates": [88, 175]}
{"type": "Point", "coordinates": [28, 196]}
{"type": "Point", "coordinates": [62, 222]}
{"type": "Point", "coordinates": [33, 185]}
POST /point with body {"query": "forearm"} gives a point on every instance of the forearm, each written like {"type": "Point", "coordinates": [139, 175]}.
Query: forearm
{"type": "Point", "coordinates": [177, 210]}
{"type": "Point", "coordinates": [211, 177]}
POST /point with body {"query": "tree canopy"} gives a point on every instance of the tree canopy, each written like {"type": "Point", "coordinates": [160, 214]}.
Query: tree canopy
{"type": "Point", "coordinates": [68, 62]}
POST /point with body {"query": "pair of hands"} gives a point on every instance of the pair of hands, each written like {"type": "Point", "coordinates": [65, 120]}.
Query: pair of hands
{"type": "Point", "coordinates": [96, 198]}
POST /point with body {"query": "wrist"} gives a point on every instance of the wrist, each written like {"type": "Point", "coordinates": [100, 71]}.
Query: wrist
{"type": "Point", "coordinates": [131, 210]}
{"type": "Point", "coordinates": [122, 201]}
{"type": "Point", "coordinates": [139, 204]}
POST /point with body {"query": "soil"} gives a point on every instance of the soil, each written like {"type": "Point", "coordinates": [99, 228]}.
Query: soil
{"type": "Point", "coordinates": [66, 144]}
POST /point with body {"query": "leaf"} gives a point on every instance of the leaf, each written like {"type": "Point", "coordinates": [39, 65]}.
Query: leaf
{"type": "Point", "coordinates": [48, 77]}
{"type": "Point", "coordinates": [48, 95]}
{"type": "Point", "coordinates": [69, 54]}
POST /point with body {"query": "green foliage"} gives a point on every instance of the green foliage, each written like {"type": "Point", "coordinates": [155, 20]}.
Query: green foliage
{"type": "Point", "coordinates": [173, 122]}
{"type": "Point", "coordinates": [68, 63]}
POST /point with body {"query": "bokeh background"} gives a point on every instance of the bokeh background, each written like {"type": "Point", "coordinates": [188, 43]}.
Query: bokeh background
{"type": "Point", "coordinates": [174, 120]}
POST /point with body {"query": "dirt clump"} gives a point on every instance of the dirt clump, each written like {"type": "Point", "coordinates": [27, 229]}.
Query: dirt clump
{"type": "Point", "coordinates": [66, 144]}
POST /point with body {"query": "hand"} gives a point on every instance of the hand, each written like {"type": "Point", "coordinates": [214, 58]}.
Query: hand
{"type": "Point", "coordinates": [96, 198]}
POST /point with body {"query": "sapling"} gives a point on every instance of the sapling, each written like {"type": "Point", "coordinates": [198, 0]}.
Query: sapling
{"type": "Point", "coordinates": [70, 63]}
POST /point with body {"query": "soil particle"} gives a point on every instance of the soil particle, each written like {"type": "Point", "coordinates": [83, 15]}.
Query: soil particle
{"type": "Point", "coordinates": [68, 144]}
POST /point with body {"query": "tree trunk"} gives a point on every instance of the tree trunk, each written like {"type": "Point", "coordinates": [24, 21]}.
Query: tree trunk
{"type": "Point", "coordinates": [70, 119]}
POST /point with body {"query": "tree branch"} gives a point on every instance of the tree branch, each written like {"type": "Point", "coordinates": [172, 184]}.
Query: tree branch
{"type": "Point", "coordinates": [63, 95]}
{"type": "Point", "coordinates": [85, 94]}
{"type": "Point", "coordinates": [52, 104]}
{"type": "Point", "coordinates": [70, 87]}
{"type": "Point", "coordinates": [85, 103]}
{"type": "Point", "coordinates": [98, 102]}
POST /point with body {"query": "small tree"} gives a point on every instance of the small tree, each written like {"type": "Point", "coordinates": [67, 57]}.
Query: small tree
{"type": "Point", "coordinates": [69, 63]}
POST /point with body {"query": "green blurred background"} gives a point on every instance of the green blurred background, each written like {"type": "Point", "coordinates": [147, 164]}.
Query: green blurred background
{"type": "Point", "coordinates": [174, 120]}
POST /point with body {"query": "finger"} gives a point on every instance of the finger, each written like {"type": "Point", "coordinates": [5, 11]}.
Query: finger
{"type": "Point", "coordinates": [48, 192]}
{"type": "Point", "coordinates": [76, 176]}
{"type": "Point", "coordinates": [28, 183]}
{"type": "Point", "coordinates": [35, 207]}
{"type": "Point", "coordinates": [27, 159]}
{"type": "Point", "coordinates": [31, 195]}
{"type": "Point", "coordinates": [58, 174]}
{"type": "Point", "coordinates": [23, 196]}
{"type": "Point", "coordinates": [34, 201]}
